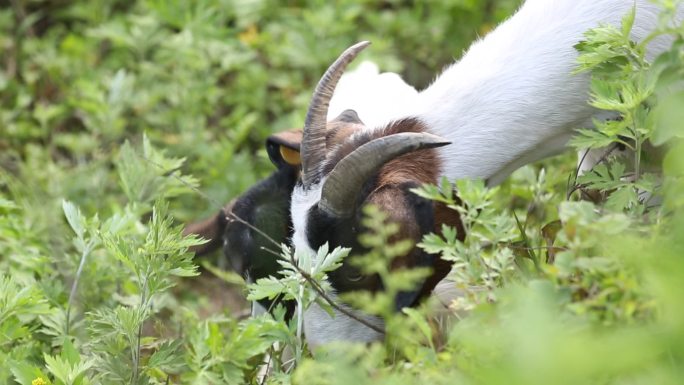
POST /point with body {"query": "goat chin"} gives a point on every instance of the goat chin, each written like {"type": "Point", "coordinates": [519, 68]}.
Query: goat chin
{"type": "Point", "coordinates": [320, 329]}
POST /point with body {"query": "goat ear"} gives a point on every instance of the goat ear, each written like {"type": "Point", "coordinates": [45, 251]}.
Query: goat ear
{"type": "Point", "coordinates": [210, 229]}
{"type": "Point", "coordinates": [348, 116]}
{"type": "Point", "coordinates": [283, 148]}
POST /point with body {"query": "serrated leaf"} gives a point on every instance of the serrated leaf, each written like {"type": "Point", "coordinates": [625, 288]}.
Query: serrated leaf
{"type": "Point", "coordinates": [622, 198]}
{"type": "Point", "coordinates": [59, 368]}
{"type": "Point", "coordinates": [166, 356]}
{"type": "Point", "coordinates": [25, 373]}
{"type": "Point", "coordinates": [333, 260]}
{"type": "Point", "coordinates": [69, 352]}
{"type": "Point", "coordinates": [420, 321]}
{"type": "Point", "coordinates": [669, 119]}
{"type": "Point", "coordinates": [265, 288]}
{"type": "Point", "coordinates": [628, 22]}
{"type": "Point", "coordinates": [74, 217]}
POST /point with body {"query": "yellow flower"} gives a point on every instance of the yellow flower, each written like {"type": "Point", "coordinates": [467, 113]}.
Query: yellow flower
{"type": "Point", "coordinates": [38, 381]}
{"type": "Point", "coordinates": [250, 36]}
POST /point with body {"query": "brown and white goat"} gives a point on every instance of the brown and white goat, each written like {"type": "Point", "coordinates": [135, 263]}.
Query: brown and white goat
{"type": "Point", "coordinates": [509, 101]}
{"type": "Point", "coordinates": [247, 226]}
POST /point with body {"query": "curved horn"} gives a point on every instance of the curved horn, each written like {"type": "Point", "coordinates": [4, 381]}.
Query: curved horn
{"type": "Point", "coordinates": [313, 143]}
{"type": "Point", "coordinates": [345, 181]}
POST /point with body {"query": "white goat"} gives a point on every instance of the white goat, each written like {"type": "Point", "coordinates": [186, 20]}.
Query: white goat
{"type": "Point", "coordinates": [509, 101]}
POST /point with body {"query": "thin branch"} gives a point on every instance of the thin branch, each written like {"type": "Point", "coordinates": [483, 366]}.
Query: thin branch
{"type": "Point", "coordinates": [136, 354]}
{"type": "Point", "coordinates": [228, 216]}
{"type": "Point", "coordinates": [267, 366]}
{"type": "Point", "coordinates": [319, 290]}
{"type": "Point", "coordinates": [74, 286]}
{"type": "Point", "coordinates": [601, 160]}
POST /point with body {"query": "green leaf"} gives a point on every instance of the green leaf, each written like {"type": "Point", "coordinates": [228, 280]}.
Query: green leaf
{"type": "Point", "coordinates": [583, 212]}
{"type": "Point", "coordinates": [591, 138]}
{"type": "Point", "coordinates": [17, 300]}
{"type": "Point", "coordinates": [25, 373]}
{"type": "Point", "coordinates": [69, 353]}
{"type": "Point", "coordinates": [265, 288]}
{"type": "Point", "coordinates": [420, 321]}
{"type": "Point", "coordinates": [59, 368]}
{"type": "Point", "coordinates": [669, 119]}
{"type": "Point", "coordinates": [75, 218]}
{"type": "Point", "coordinates": [167, 357]}
{"type": "Point", "coordinates": [7, 205]}
{"type": "Point", "coordinates": [622, 198]}
{"type": "Point", "coordinates": [628, 22]}
{"type": "Point", "coordinates": [230, 277]}
{"type": "Point", "coordinates": [151, 175]}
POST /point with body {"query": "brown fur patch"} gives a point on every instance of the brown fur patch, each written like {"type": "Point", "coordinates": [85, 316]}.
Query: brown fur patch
{"type": "Point", "coordinates": [423, 166]}
{"type": "Point", "coordinates": [344, 138]}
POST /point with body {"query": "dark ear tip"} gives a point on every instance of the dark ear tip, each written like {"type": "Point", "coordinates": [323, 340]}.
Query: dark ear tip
{"type": "Point", "coordinates": [272, 149]}
{"type": "Point", "coordinates": [349, 116]}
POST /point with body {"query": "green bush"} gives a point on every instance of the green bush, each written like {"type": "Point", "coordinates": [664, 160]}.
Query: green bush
{"type": "Point", "coordinates": [108, 107]}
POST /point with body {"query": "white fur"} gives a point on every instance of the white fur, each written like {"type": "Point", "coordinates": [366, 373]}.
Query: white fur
{"type": "Point", "coordinates": [321, 329]}
{"type": "Point", "coordinates": [302, 201]}
{"type": "Point", "coordinates": [509, 101]}
{"type": "Point", "coordinates": [376, 97]}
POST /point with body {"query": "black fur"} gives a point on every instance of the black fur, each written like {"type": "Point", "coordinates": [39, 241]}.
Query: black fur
{"type": "Point", "coordinates": [265, 206]}
{"type": "Point", "coordinates": [345, 232]}
{"type": "Point", "coordinates": [425, 218]}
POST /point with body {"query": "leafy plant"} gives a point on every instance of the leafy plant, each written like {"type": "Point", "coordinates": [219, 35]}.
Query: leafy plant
{"type": "Point", "coordinates": [108, 107]}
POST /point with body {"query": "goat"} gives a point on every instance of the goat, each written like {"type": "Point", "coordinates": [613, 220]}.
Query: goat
{"type": "Point", "coordinates": [509, 101]}
{"type": "Point", "coordinates": [378, 97]}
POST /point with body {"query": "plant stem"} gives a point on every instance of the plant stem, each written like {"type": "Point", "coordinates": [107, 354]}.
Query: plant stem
{"type": "Point", "coordinates": [74, 286]}
{"type": "Point", "coordinates": [637, 157]}
{"type": "Point", "coordinates": [300, 320]}
{"type": "Point", "coordinates": [136, 352]}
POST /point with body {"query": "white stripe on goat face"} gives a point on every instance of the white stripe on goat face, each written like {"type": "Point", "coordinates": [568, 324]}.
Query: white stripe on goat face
{"type": "Point", "coordinates": [302, 201]}
{"type": "Point", "coordinates": [319, 327]}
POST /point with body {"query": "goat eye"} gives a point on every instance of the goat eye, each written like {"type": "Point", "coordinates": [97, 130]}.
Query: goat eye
{"type": "Point", "coordinates": [355, 277]}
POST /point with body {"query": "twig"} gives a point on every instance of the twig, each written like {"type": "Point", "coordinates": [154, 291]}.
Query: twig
{"type": "Point", "coordinates": [319, 290]}
{"type": "Point", "coordinates": [74, 286]}
{"type": "Point", "coordinates": [601, 160]}
{"type": "Point", "coordinates": [268, 366]}
{"type": "Point", "coordinates": [228, 216]}
{"type": "Point", "coordinates": [136, 355]}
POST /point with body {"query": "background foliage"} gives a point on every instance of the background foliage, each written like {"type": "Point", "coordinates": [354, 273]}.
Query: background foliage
{"type": "Point", "coordinates": [108, 107]}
